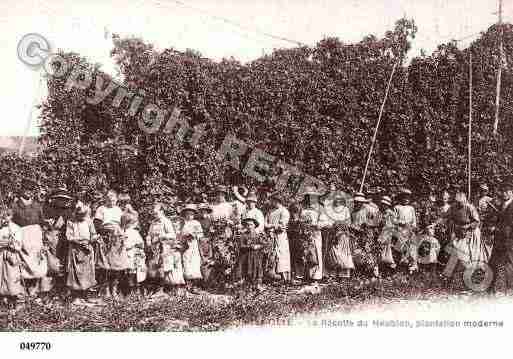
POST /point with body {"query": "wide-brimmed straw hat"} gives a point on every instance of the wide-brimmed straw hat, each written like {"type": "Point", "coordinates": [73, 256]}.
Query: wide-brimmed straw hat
{"type": "Point", "coordinates": [204, 207]}
{"type": "Point", "coordinates": [405, 191]}
{"type": "Point", "coordinates": [190, 208]}
{"type": "Point", "coordinates": [252, 197]}
{"type": "Point", "coordinates": [386, 200]}
{"type": "Point", "coordinates": [311, 191]}
{"type": "Point", "coordinates": [360, 197]}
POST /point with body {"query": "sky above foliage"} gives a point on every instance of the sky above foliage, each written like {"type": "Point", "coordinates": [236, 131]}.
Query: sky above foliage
{"type": "Point", "coordinates": [216, 28]}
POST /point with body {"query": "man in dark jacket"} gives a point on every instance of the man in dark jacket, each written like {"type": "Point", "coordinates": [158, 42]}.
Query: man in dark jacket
{"type": "Point", "coordinates": [501, 260]}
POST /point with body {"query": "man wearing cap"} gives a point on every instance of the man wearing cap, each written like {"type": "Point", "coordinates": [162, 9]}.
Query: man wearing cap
{"type": "Point", "coordinates": [28, 214]}
{"type": "Point", "coordinates": [277, 221]}
{"type": "Point", "coordinates": [253, 212]}
{"type": "Point", "coordinates": [501, 259]}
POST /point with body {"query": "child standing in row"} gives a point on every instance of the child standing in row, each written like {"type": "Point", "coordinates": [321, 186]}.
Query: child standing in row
{"type": "Point", "coordinates": [134, 244]}
{"type": "Point", "coordinates": [252, 247]}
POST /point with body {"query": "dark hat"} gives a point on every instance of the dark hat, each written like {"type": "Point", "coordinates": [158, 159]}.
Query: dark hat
{"type": "Point", "coordinates": [276, 196]}
{"type": "Point", "coordinates": [222, 189]}
{"type": "Point", "coordinates": [249, 219]}
{"type": "Point", "coordinates": [61, 193]}
{"type": "Point", "coordinates": [28, 183]}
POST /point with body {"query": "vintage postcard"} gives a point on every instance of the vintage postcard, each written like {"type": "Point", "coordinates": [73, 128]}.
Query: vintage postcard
{"type": "Point", "coordinates": [248, 174]}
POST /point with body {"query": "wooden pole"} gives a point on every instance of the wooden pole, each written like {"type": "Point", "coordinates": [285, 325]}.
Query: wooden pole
{"type": "Point", "coordinates": [470, 127]}
{"type": "Point", "coordinates": [377, 125]}
{"type": "Point", "coordinates": [499, 72]}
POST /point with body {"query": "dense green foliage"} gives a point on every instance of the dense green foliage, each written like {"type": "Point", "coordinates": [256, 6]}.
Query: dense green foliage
{"type": "Point", "coordinates": [312, 107]}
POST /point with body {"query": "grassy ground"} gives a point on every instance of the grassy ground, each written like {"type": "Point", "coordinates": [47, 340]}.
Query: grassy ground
{"type": "Point", "coordinates": [210, 312]}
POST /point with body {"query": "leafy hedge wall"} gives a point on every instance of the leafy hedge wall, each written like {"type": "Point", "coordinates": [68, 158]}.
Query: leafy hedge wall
{"type": "Point", "coordinates": [313, 107]}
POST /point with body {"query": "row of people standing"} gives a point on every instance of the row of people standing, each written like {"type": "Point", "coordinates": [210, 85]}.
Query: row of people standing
{"type": "Point", "coordinates": [102, 247]}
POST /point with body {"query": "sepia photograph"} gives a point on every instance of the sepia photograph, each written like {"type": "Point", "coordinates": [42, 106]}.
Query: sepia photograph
{"type": "Point", "coordinates": [206, 166]}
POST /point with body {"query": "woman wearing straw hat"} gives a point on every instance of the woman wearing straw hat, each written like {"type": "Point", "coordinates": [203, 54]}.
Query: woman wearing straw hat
{"type": "Point", "coordinates": [191, 232]}
{"type": "Point", "coordinates": [277, 221]}
{"type": "Point", "coordinates": [310, 215]}
{"type": "Point", "coordinates": [339, 250]}
{"type": "Point", "coordinates": [388, 231]}
{"type": "Point", "coordinates": [367, 249]}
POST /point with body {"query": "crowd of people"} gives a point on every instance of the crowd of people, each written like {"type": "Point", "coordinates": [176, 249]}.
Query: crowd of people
{"type": "Point", "coordinates": [86, 249]}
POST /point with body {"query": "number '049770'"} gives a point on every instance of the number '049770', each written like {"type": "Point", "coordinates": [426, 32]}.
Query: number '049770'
{"type": "Point", "coordinates": [35, 346]}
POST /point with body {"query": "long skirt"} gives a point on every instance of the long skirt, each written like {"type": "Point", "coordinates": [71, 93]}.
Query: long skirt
{"type": "Point", "coordinates": [80, 273]}
{"type": "Point", "coordinates": [207, 257]}
{"type": "Point", "coordinates": [192, 261]}
{"type": "Point", "coordinates": [282, 251]}
{"type": "Point", "coordinates": [111, 253]}
{"type": "Point", "coordinates": [173, 268]}
{"type": "Point", "coordinates": [385, 239]}
{"type": "Point", "coordinates": [340, 254]}
{"type": "Point", "coordinates": [53, 246]}
{"type": "Point", "coordinates": [315, 272]}
{"type": "Point", "coordinates": [469, 247]}
{"type": "Point", "coordinates": [34, 262]}
{"type": "Point", "coordinates": [251, 265]}
{"type": "Point", "coordinates": [137, 265]}
{"type": "Point", "coordinates": [10, 273]}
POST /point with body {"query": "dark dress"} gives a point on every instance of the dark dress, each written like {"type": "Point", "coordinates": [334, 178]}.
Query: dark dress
{"type": "Point", "coordinates": [205, 247]}
{"type": "Point", "coordinates": [501, 259]}
{"type": "Point", "coordinates": [55, 238]}
{"type": "Point", "coordinates": [251, 261]}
